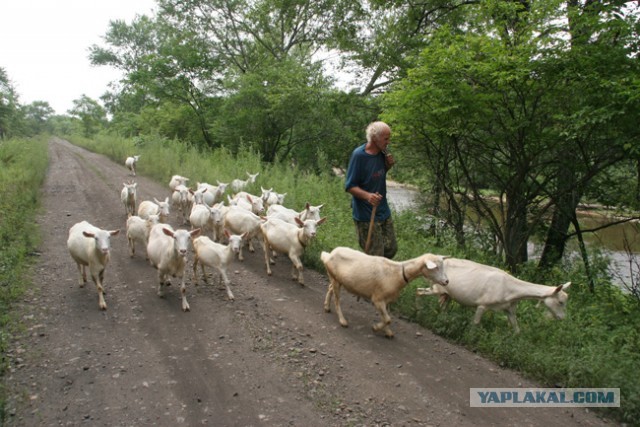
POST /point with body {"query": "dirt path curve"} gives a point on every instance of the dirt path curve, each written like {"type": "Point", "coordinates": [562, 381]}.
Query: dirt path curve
{"type": "Point", "coordinates": [271, 358]}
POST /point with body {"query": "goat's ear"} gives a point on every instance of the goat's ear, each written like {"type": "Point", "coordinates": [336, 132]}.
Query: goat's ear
{"type": "Point", "coordinates": [431, 265]}
{"type": "Point", "coordinates": [195, 232]}
{"type": "Point", "coordinates": [446, 257]}
{"type": "Point", "coordinates": [299, 221]}
{"type": "Point", "coordinates": [114, 232]}
{"type": "Point", "coordinates": [88, 234]}
{"type": "Point", "coordinates": [321, 220]}
{"type": "Point", "coordinates": [168, 232]}
{"type": "Point", "coordinates": [561, 288]}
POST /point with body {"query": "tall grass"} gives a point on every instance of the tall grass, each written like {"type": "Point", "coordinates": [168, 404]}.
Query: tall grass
{"type": "Point", "coordinates": [597, 345]}
{"type": "Point", "coordinates": [23, 165]}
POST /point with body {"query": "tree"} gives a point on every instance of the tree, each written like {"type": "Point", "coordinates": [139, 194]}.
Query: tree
{"type": "Point", "coordinates": [511, 100]}
{"type": "Point", "coordinates": [597, 108]}
{"type": "Point", "coordinates": [92, 116]}
{"type": "Point", "coordinates": [37, 115]}
{"type": "Point", "coordinates": [11, 120]}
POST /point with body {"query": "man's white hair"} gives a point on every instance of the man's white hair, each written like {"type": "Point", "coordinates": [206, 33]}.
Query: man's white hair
{"type": "Point", "coordinates": [376, 128]}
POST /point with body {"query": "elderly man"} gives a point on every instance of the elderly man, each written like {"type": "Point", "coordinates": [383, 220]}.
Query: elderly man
{"type": "Point", "coordinates": [367, 182]}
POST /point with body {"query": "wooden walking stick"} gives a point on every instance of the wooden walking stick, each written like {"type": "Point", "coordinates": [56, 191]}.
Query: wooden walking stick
{"type": "Point", "coordinates": [373, 217]}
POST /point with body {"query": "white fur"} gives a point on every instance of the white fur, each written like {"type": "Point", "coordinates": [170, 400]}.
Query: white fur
{"type": "Point", "coordinates": [376, 278]}
{"type": "Point", "coordinates": [156, 207]}
{"type": "Point", "coordinates": [138, 230]}
{"type": "Point", "coordinates": [167, 250]}
{"type": "Point", "coordinates": [90, 246]}
{"type": "Point", "coordinates": [488, 288]}
{"type": "Point", "coordinates": [130, 163]}
{"type": "Point", "coordinates": [216, 255]}
{"type": "Point", "coordinates": [128, 196]}
{"type": "Point", "coordinates": [282, 237]}
{"type": "Point", "coordinates": [241, 221]}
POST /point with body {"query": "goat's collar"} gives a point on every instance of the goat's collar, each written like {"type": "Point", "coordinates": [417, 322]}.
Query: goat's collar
{"type": "Point", "coordinates": [404, 276]}
{"type": "Point", "coordinates": [304, 245]}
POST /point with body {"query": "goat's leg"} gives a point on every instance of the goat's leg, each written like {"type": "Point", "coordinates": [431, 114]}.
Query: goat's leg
{"type": "Point", "coordinates": [132, 247]}
{"type": "Point", "coordinates": [479, 312]}
{"type": "Point", "coordinates": [327, 298]}
{"type": "Point", "coordinates": [83, 275]}
{"type": "Point", "coordinates": [161, 278]}
{"type": "Point", "coordinates": [183, 293]}
{"type": "Point", "coordinates": [296, 272]}
{"type": "Point", "coordinates": [195, 270]}
{"type": "Point", "coordinates": [425, 291]}
{"type": "Point", "coordinates": [386, 319]}
{"type": "Point", "coordinates": [336, 293]}
{"type": "Point", "coordinates": [97, 279]}
{"type": "Point", "coordinates": [444, 301]}
{"type": "Point", "coordinates": [225, 279]}
{"type": "Point", "coordinates": [267, 261]}
{"type": "Point", "coordinates": [511, 315]}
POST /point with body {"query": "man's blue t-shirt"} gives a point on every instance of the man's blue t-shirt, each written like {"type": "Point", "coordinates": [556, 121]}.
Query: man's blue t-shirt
{"type": "Point", "coordinates": [368, 172]}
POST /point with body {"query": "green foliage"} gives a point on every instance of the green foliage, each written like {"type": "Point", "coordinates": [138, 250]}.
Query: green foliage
{"type": "Point", "coordinates": [91, 114]}
{"type": "Point", "coordinates": [23, 164]}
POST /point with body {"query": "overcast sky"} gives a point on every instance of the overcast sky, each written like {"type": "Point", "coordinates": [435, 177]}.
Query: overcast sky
{"type": "Point", "coordinates": [44, 46]}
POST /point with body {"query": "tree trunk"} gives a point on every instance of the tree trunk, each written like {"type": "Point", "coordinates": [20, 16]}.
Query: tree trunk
{"type": "Point", "coordinates": [563, 214]}
{"type": "Point", "coordinates": [516, 233]}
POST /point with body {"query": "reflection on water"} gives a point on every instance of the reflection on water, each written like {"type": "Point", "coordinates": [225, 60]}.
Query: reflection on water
{"type": "Point", "coordinates": [612, 240]}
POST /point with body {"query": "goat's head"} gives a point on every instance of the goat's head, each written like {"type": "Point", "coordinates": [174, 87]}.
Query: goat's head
{"type": "Point", "coordinates": [433, 269]}
{"type": "Point", "coordinates": [556, 302]}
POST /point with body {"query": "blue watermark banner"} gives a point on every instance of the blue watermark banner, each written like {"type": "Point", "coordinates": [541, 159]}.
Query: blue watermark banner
{"type": "Point", "coordinates": [544, 397]}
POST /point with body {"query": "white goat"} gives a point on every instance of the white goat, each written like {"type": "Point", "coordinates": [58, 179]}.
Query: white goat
{"type": "Point", "coordinates": [289, 215]}
{"type": "Point", "coordinates": [213, 194]}
{"type": "Point", "coordinates": [376, 278]}
{"type": "Point", "coordinates": [282, 237]}
{"type": "Point", "coordinates": [249, 202]}
{"type": "Point", "coordinates": [477, 285]}
{"type": "Point", "coordinates": [128, 197]}
{"type": "Point", "coordinates": [167, 251]}
{"type": "Point", "coordinates": [177, 180]}
{"type": "Point", "coordinates": [241, 221]}
{"type": "Point", "coordinates": [181, 201]}
{"type": "Point", "coordinates": [130, 163]}
{"type": "Point", "coordinates": [90, 246]}
{"type": "Point", "coordinates": [156, 207]}
{"type": "Point", "coordinates": [138, 229]}
{"type": "Point", "coordinates": [239, 184]}
{"type": "Point", "coordinates": [208, 219]}
{"type": "Point", "coordinates": [217, 255]}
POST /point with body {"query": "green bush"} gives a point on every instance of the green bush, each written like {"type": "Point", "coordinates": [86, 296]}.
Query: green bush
{"type": "Point", "coordinates": [23, 164]}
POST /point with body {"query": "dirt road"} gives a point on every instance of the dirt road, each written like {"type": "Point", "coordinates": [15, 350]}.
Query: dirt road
{"type": "Point", "coordinates": [272, 357]}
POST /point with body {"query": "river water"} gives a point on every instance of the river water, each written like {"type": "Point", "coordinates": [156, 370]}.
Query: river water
{"type": "Point", "coordinates": [610, 240]}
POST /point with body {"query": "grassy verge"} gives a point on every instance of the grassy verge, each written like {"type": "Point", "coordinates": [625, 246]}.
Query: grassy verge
{"type": "Point", "coordinates": [597, 345]}
{"type": "Point", "coordinates": [23, 165]}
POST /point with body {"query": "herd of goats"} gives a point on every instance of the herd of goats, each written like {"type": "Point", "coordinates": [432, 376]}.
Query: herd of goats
{"type": "Point", "coordinates": [219, 232]}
